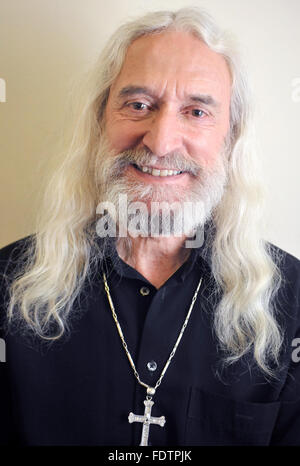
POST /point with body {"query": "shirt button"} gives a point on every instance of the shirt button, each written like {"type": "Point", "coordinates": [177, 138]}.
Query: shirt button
{"type": "Point", "coordinates": [151, 366]}
{"type": "Point", "coordinates": [144, 291]}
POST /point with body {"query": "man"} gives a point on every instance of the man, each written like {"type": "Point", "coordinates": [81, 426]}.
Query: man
{"type": "Point", "coordinates": [122, 329]}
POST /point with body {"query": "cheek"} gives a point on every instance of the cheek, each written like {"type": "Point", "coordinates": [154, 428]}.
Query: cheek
{"type": "Point", "coordinates": [206, 149]}
{"type": "Point", "coordinates": [121, 134]}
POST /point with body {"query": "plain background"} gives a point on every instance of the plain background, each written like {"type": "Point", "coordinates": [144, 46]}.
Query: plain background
{"type": "Point", "coordinates": [45, 45]}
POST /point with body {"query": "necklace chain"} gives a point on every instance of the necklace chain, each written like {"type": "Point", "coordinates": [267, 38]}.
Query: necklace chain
{"type": "Point", "coordinates": [150, 390]}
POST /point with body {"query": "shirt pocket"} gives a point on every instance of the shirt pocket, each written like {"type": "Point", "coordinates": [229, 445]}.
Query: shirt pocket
{"type": "Point", "coordinates": [215, 420]}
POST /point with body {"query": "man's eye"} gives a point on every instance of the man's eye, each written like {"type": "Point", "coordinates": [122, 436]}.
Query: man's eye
{"type": "Point", "coordinates": [138, 106]}
{"type": "Point", "coordinates": [198, 113]}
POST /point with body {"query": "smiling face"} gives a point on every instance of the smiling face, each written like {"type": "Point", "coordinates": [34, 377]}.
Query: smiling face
{"type": "Point", "coordinates": [172, 95]}
{"type": "Point", "coordinates": [168, 115]}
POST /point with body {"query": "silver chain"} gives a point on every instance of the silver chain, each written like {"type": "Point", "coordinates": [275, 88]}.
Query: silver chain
{"type": "Point", "coordinates": [150, 390]}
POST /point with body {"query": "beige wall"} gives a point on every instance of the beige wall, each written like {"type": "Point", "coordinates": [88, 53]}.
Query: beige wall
{"type": "Point", "coordinates": [44, 45]}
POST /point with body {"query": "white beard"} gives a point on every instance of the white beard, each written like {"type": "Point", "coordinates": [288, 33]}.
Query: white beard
{"type": "Point", "coordinates": [205, 191]}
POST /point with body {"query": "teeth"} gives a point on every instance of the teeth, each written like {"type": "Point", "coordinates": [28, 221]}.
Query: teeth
{"type": "Point", "coordinates": [156, 172]}
{"type": "Point", "coordinates": [164, 172]}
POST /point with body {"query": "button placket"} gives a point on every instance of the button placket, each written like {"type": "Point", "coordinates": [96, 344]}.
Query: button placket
{"type": "Point", "coordinates": [151, 355]}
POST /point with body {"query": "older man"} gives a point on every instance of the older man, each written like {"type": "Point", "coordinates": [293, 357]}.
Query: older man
{"type": "Point", "coordinates": [155, 338]}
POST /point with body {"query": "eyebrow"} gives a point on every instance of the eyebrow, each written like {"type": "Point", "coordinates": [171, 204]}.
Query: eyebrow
{"type": "Point", "coordinates": [205, 99]}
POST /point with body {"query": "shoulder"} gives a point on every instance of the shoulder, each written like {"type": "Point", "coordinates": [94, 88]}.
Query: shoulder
{"type": "Point", "coordinates": [15, 247]}
{"type": "Point", "coordinates": [12, 253]}
{"type": "Point", "coordinates": [13, 258]}
{"type": "Point", "coordinates": [287, 297]}
{"type": "Point", "coordinates": [289, 258]}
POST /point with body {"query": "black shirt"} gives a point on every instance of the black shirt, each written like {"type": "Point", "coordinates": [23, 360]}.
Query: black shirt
{"type": "Point", "coordinates": [80, 389]}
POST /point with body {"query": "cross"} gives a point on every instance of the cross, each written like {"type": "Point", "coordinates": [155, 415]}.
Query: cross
{"type": "Point", "coordinates": [146, 420]}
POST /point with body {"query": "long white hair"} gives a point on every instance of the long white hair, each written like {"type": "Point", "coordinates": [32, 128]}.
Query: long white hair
{"type": "Point", "coordinates": [64, 253]}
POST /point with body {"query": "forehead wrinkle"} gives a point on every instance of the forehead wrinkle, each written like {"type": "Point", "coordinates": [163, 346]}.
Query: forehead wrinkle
{"type": "Point", "coordinates": [145, 55]}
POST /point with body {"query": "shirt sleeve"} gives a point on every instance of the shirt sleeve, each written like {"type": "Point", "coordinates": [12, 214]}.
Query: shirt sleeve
{"type": "Point", "coordinates": [287, 428]}
{"type": "Point", "coordinates": [8, 260]}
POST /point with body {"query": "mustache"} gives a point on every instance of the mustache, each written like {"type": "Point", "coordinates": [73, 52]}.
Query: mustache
{"type": "Point", "coordinates": [172, 161]}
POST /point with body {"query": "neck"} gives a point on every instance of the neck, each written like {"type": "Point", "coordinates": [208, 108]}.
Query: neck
{"type": "Point", "coordinates": [156, 258]}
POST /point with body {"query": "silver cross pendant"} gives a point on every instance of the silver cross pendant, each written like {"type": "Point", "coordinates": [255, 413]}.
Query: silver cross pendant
{"type": "Point", "coordinates": [147, 419]}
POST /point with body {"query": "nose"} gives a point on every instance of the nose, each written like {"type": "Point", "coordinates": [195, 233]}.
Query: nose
{"type": "Point", "coordinates": [163, 135]}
